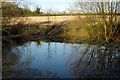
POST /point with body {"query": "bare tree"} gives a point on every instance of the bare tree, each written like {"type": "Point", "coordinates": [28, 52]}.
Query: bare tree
{"type": "Point", "coordinates": [106, 13]}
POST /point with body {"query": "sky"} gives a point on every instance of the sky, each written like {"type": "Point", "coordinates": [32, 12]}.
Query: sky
{"type": "Point", "coordinates": [55, 5]}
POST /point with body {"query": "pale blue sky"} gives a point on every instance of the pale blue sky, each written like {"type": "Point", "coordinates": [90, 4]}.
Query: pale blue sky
{"type": "Point", "coordinates": [56, 5]}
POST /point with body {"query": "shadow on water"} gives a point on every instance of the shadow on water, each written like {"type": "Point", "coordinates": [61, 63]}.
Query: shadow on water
{"type": "Point", "coordinates": [37, 57]}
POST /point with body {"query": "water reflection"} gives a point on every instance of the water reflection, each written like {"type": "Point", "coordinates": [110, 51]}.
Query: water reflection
{"type": "Point", "coordinates": [60, 56]}
{"type": "Point", "coordinates": [96, 61]}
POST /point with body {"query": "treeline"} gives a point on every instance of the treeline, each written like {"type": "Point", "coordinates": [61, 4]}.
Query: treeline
{"type": "Point", "coordinates": [13, 10]}
{"type": "Point", "coordinates": [72, 14]}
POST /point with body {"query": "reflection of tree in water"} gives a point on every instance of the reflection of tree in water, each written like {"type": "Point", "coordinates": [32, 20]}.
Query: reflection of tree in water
{"type": "Point", "coordinates": [86, 60]}
{"type": "Point", "coordinates": [25, 56]}
{"type": "Point", "coordinates": [12, 52]}
{"type": "Point", "coordinates": [16, 51]}
{"type": "Point", "coordinates": [96, 61]}
{"type": "Point", "coordinates": [49, 52]}
{"type": "Point", "coordinates": [9, 58]}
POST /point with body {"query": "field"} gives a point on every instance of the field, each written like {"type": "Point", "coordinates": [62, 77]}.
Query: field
{"type": "Point", "coordinates": [48, 19]}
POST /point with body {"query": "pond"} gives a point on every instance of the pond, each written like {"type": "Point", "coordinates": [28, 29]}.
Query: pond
{"type": "Point", "coordinates": [51, 57]}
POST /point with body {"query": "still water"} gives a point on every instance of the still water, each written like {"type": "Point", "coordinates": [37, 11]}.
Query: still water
{"type": "Point", "coordinates": [60, 58]}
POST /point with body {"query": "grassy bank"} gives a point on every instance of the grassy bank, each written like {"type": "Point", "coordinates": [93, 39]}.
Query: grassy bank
{"type": "Point", "coordinates": [92, 27]}
{"type": "Point", "coordinates": [89, 28]}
